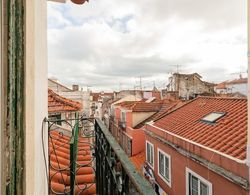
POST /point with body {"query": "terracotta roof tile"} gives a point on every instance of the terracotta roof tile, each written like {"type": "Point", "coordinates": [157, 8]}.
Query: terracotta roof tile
{"type": "Point", "coordinates": [138, 160]}
{"type": "Point", "coordinates": [141, 106]}
{"type": "Point", "coordinates": [238, 81]}
{"type": "Point", "coordinates": [167, 106]}
{"type": "Point", "coordinates": [57, 103]}
{"type": "Point", "coordinates": [147, 107]}
{"type": "Point", "coordinates": [60, 162]}
{"type": "Point", "coordinates": [223, 85]}
{"type": "Point", "coordinates": [227, 135]}
{"type": "Point", "coordinates": [126, 104]}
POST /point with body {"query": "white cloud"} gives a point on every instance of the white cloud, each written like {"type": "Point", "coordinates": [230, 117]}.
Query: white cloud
{"type": "Point", "coordinates": [105, 42]}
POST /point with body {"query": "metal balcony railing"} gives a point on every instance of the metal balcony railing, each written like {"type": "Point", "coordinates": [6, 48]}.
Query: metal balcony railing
{"type": "Point", "coordinates": [85, 146]}
{"type": "Point", "coordinates": [121, 137]}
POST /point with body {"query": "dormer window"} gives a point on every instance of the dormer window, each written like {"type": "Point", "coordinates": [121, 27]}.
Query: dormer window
{"type": "Point", "coordinates": [213, 117]}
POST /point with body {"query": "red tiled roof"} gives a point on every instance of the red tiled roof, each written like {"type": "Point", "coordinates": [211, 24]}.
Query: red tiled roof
{"type": "Point", "coordinates": [227, 135]}
{"type": "Point", "coordinates": [147, 107]}
{"type": "Point", "coordinates": [238, 81]}
{"type": "Point", "coordinates": [60, 162]}
{"type": "Point", "coordinates": [141, 106]}
{"type": "Point", "coordinates": [167, 106]}
{"type": "Point", "coordinates": [233, 82]}
{"type": "Point", "coordinates": [138, 160]}
{"type": "Point", "coordinates": [126, 104]}
{"type": "Point", "coordinates": [221, 86]}
{"type": "Point", "coordinates": [57, 103]}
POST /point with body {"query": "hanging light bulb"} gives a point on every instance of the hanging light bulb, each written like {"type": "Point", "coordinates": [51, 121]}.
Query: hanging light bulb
{"type": "Point", "coordinates": [79, 1]}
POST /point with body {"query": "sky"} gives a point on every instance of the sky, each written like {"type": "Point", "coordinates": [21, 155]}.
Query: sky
{"type": "Point", "coordinates": [113, 44]}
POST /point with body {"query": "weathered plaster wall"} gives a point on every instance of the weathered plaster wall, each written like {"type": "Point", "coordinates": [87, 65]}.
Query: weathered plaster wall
{"type": "Point", "coordinates": [36, 88]}
{"type": "Point", "coordinates": [3, 90]}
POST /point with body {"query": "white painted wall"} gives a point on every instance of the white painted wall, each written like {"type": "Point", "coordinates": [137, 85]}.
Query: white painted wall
{"type": "Point", "coordinates": [80, 96]}
{"type": "Point", "coordinates": [36, 94]}
{"type": "Point", "coordinates": [233, 88]}
{"type": "Point", "coordinates": [248, 138]}
{"type": "Point", "coordinates": [138, 117]}
{"type": "Point", "coordinates": [241, 88]}
{"type": "Point", "coordinates": [56, 87]}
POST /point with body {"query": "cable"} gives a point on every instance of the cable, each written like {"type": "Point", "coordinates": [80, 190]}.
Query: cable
{"type": "Point", "coordinates": [44, 155]}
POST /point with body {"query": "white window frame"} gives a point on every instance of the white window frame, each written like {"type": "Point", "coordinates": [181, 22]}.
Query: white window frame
{"type": "Point", "coordinates": [151, 165]}
{"type": "Point", "coordinates": [169, 159]}
{"type": "Point", "coordinates": [209, 184]}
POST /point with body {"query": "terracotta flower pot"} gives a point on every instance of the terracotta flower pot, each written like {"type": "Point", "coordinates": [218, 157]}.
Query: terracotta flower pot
{"type": "Point", "coordinates": [79, 1]}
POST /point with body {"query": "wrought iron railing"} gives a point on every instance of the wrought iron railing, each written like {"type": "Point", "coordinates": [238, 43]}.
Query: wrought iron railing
{"type": "Point", "coordinates": [121, 137]}
{"type": "Point", "coordinates": [71, 154]}
{"type": "Point", "coordinates": [115, 173]}
{"type": "Point", "coordinates": [85, 146]}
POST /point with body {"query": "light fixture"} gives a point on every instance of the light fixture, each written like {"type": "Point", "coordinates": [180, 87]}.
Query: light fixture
{"type": "Point", "coordinates": [79, 1]}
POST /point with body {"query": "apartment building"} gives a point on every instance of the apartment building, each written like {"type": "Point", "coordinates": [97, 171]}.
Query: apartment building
{"type": "Point", "coordinates": [200, 146]}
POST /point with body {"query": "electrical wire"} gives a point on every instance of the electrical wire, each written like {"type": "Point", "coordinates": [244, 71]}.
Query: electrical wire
{"type": "Point", "coordinates": [43, 147]}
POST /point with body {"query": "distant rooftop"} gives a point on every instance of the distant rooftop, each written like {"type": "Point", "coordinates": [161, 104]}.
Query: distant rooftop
{"type": "Point", "coordinates": [224, 84]}
{"type": "Point", "coordinates": [57, 103]}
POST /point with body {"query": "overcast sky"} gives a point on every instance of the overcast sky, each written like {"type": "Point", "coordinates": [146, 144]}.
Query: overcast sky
{"type": "Point", "coordinates": [109, 44]}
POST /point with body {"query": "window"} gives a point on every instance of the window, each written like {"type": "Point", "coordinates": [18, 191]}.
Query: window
{"type": "Point", "coordinates": [164, 166]}
{"type": "Point", "coordinates": [123, 116]}
{"type": "Point", "coordinates": [150, 154]}
{"type": "Point", "coordinates": [56, 118]}
{"type": "Point", "coordinates": [213, 117]}
{"type": "Point", "coordinates": [197, 185]}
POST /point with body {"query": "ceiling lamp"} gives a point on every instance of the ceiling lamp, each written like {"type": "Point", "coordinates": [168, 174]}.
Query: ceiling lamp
{"type": "Point", "coordinates": [79, 1]}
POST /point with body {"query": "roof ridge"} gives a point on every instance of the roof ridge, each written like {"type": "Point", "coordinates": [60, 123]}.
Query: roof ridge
{"type": "Point", "coordinates": [59, 84]}
{"type": "Point", "coordinates": [64, 100]}
{"type": "Point", "coordinates": [219, 97]}
{"type": "Point", "coordinates": [167, 113]}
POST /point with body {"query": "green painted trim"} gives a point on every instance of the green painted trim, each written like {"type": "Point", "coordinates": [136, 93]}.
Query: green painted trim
{"type": "Point", "coordinates": [15, 97]}
{"type": "Point", "coordinates": [73, 155]}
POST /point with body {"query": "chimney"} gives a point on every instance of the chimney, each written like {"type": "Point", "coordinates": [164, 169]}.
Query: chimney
{"type": "Point", "coordinates": [75, 87]}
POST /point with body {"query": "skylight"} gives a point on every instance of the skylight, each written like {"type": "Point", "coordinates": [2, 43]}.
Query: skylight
{"type": "Point", "coordinates": [213, 117]}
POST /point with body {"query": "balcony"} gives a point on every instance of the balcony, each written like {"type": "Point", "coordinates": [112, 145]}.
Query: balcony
{"type": "Point", "coordinates": [124, 140]}
{"type": "Point", "coordinates": [88, 160]}
{"type": "Point", "coordinates": [122, 124]}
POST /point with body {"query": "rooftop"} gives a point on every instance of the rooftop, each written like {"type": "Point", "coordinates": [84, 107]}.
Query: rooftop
{"type": "Point", "coordinates": [228, 134]}
{"type": "Point", "coordinates": [57, 83]}
{"type": "Point", "coordinates": [167, 106]}
{"type": "Point", "coordinates": [138, 160]}
{"type": "Point", "coordinates": [141, 106]}
{"type": "Point", "coordinates": [224, 84]}
{"type": "Point", "coordinates": [96, 96]}
{"type": "Point", "coordinates": [60, 162]}
{"type": "Point", "coordinates": [57, 103]}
